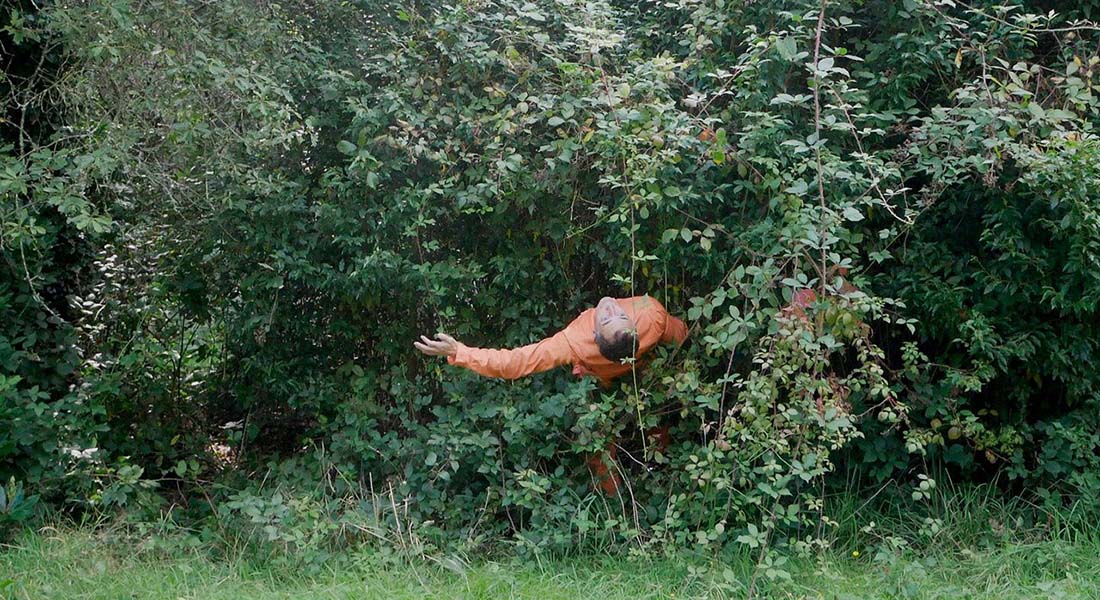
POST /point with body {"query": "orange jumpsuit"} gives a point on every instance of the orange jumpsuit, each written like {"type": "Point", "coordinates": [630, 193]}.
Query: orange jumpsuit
{"type": "Point", "coordinates": [576, 345]}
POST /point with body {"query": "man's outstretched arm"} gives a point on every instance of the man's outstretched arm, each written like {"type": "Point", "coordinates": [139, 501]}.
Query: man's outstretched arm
{"type": "Point", "coordinates": [508, 364]}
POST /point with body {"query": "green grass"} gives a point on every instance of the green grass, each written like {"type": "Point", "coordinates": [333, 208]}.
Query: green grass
{"type": "Point", "coordinates": [75, 564]}
{"type": "Point", "coordinates": [981, 547]}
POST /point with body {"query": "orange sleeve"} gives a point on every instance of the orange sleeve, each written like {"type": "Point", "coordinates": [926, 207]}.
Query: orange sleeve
{"type": "Point", "coordinates": [675, 331]}
{"type": "Point", "coordinates": [512, 364]}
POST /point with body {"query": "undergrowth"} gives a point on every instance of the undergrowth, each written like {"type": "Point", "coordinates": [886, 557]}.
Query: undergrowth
{"type": "Point", "coordinates": [967, 542]}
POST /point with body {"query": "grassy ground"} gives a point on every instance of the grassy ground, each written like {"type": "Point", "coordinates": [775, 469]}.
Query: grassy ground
{"type": "Point", "coordinates": [54, 563]}
{"type": "Point", "coordinates": [968, 543]}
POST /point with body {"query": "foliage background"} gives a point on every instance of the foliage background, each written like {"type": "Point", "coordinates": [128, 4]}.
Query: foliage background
{"type": "Point", "coordinates": [223, 223]}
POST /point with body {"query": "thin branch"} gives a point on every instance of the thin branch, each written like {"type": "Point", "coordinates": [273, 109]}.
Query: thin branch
{"type": "Point", "coordinates": [870, 174]}
{"type": "Point", "coordinates": [1082, 26]}
{"type": "Point", "coordinates": [817, 141]}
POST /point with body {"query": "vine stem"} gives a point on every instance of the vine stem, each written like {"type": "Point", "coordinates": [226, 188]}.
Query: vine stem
{"type": "Point", "coordinates": [751, 594]}
{"type": "Point", "coordinates": [633, 268]}
{"type": "Point", "coordinates": [817, 143]}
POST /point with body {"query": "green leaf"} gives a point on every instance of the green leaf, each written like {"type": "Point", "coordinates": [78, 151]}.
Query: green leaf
{"type": "Point", "coordinates": [748, 540]}
{"type": "Point", "coordinates": [787, 48]}
{"type": "Point", "coordinates": [346, 147]}
{"type": "Point", "coordinates": [798, 188]}
{"type": "Point", "coordinates": [852, 214]}
{"type": "Point", "coordinates": [555, 121]}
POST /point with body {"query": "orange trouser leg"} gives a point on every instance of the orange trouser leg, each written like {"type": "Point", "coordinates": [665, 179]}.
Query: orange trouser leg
{"type": "Point", "coordinates": [604, 471]}
{"type": "Point", "coordinates": [659, 438]}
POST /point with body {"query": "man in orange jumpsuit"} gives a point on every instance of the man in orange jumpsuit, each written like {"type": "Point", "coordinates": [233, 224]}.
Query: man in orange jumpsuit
{"type": "Point", "coordinates": [595, 343]}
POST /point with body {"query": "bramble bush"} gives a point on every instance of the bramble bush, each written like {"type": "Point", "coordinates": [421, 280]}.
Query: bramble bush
{"type": "Point", "coordinates": [230, 220]}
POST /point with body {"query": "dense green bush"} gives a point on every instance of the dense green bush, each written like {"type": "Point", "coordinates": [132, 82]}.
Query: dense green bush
{"type": "Point", "coordinates": [239, 215]}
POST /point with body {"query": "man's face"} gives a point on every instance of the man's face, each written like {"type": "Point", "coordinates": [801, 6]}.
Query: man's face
{"type": "Point", "coordinates": [611, 318]}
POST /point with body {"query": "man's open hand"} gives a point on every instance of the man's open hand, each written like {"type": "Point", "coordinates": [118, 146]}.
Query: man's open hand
{"type": "Point", "coordinates": [443, 345]}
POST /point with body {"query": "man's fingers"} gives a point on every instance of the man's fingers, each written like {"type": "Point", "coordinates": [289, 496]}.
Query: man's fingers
{"type": "Point", "coordinates": [443, 345]}
{"type": "Point", "coordinates": [429, 349]}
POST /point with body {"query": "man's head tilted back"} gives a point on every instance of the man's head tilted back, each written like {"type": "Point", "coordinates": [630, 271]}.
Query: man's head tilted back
{"type": "Point", "coordinates": [615, 331]}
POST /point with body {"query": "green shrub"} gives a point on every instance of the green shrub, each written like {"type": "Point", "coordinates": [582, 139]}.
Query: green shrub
{"type": "Point", "coordinates": [16, 507]}
{"type": "Point", "coordinates": [253, 210]}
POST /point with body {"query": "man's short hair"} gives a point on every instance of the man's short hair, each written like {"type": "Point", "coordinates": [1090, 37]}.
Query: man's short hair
{"type": "Point", "coordinates": [619, 346]}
